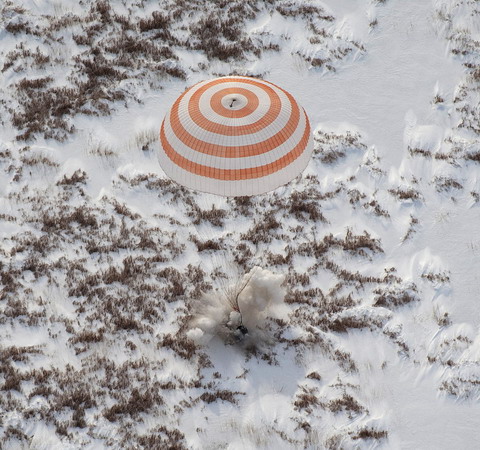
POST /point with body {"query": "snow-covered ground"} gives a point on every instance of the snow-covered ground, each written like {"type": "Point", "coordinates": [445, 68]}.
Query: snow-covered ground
{"type": "Point", "coordinates": [363, 311]}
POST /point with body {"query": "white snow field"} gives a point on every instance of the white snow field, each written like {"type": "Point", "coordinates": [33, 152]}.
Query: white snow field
{"type": "Point", "coordinates": [361, 277]}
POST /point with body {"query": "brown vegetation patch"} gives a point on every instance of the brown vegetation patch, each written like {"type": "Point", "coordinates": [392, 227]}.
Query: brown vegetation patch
{"type": "Point", "coordinates": [345, 403]}
{"type": "Point", "coordinates": [370, 433]}
{"type": "Point", "coordinates": [138, 402]}
{"type": "Point", "coordinates": [224, 395]}
{"type": "Point", "coordinates": [182, 346]}
{"type": "Point", "coordinates": [405, 194]}
{"type": "Point", "coordinates": [395, 297]}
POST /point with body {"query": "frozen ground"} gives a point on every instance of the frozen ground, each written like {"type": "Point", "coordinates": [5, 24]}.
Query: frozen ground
{"type": "Point", "coordinates": [368, 332]}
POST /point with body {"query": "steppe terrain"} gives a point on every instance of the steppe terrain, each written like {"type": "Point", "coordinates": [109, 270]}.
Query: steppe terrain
{"type": "Point", "coordinates": [115, 280]}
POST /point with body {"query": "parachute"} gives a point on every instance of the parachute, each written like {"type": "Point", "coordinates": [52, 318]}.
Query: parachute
{"type": "Point", "coordinates": [235, 136]}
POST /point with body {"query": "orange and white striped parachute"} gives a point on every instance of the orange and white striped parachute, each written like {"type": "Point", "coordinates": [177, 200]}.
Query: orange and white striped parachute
{"type": "Point", "coordinates": [235, 136]}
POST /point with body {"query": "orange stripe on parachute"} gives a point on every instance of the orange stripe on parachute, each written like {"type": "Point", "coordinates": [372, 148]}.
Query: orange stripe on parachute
{"type": "Point", "coordinates": [235, 174]}
{"type": "Point", "coordinates": [224, 151]}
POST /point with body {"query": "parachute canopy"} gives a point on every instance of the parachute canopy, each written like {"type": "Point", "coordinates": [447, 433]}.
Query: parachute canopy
{"type": "Point", "coordinates": [235, 136]}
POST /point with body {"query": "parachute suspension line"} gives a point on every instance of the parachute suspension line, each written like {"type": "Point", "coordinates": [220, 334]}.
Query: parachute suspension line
{"type": "Point", "coordinates": [235, 304]}
{"type": "Point", "coordinates": [219, 261]}
{"type": "Point", "coordinates": [232, 279]}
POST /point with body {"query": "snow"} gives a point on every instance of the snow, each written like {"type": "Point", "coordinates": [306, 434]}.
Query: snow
{"type": "Point", "coordinates": [382, 92]}
{"type": "Point", "coordinates": [130, 309]}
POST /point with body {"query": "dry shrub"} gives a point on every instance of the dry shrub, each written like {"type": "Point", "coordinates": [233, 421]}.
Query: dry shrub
{"type": "Point", "coordinates": [301, 207]}
{"type": "Point", "coordinates": [243, 205]}
{"type": "Point", "coordinates": [79, 176]}
{"type": "Point", "coordinates": [221, 37]}
{"type": "Point", "coordinates": [376, 208]}
{"type": "Point", "coordinates": [405, 194]}
{"type": "Point", "coordinates": [310, 296]}
{"type": "Point", "coordinates": [224, 395]}
{"type": "Point", "coordinates": [446, 184]}
{"type": "Point", "coordinates": [37, 159]}
{"type": "Point", "coordinates": [343, 324]}
{"type": "Point", "coordinates": [55, 223]}
{"type": "Point", "coordinates": [214, 216]}
{"type": "Point", "coordinates": [331, 147]}
{"type": "Point", "coordinates": [461, 387]}
{"type": "Point", "coordinates": [14, 433]}
{"type": "Point", "coordinates": [370, 433]}
{"type": "Point", "coordinates": [44, 111]}
{"type": "Point", "coordinates": [345, 403]}
{"type": "Point", "coordinates": [436, 277]}
{"type": "Point", "coordinates": [137, 403]}
{"type": "Point", "coordinates": [473, 156]}
{"type": "Point", "coordinates": [345, 360]}
{"type": "Point", "coordinates": [181, 345]}
{"type": "Point", "coordinates": [81, 396]}
{"type": "Point", "coordinates": [163, 438]}
{"type": "Point", "coordinates": [209, 244]}
{"type": "Point", "coordinates": [306, 399]}
{"type": "Point", "coordinates": [352, 243]}
{"type": "Point", "coordinates": [87, 336]}
{"type": "Point", "coordinates": [157, 21]}
{"type": "Point", "coordinates": [314, 376]}
{"type": "Point", "coordinates": [293, 9]}
{"type": "Point", "coordinates": [18, 27]}
{"type": "Point", "coordinates": [415, 151]}
{"type": "Point", "coordinates": [396, 337]}
{"type": "Point", "coordinates": [243, 255]}
{"type": "Point", "coordinates": [392, 297]}
{"type": "Point", "coordinates": [358, 243]}
{"type": "Point", "coordinates": [37, 83]}
{"type": "Point", "coordinates": [176, 282]}
{"type": "Point", "coordinates": [295, 278]}
{"type": "Point", "coordinates": [121, 208]}
{"type": "Point", "coordinates": [122, 322]}
{"type": "Point", "coordinates": [411, 229]}
{"type": "Point", "coordinates": [278, 259]}
{"type": "Point", "coordinates": [262, 230]}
